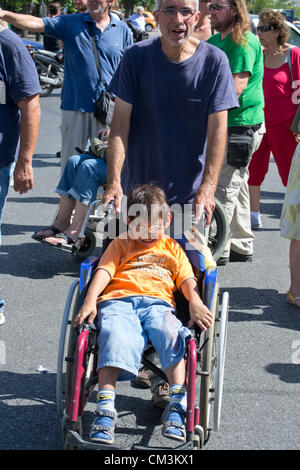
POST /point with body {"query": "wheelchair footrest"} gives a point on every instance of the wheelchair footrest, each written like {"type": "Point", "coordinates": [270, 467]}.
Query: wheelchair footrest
{"type": "Point", "coordinates": [186, 446]}
{"type": "Point", "coordinates": [73, 438]}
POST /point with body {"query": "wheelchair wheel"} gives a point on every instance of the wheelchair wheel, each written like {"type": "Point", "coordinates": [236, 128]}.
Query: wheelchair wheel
{"type": "Point", "coordinates": [208, 364]}
{"type": "Point", "coordinates": [88, 246]}
{"type": "Point", "coordinates": [218, 231]}
{"type": "Point", "coordinates": [65, 364]}
{"type": "Point", "coordinates": [221, 351]}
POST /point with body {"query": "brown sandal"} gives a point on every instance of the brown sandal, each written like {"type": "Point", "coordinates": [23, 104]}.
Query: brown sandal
{"type": "Point", "coordinates": [55, 230]}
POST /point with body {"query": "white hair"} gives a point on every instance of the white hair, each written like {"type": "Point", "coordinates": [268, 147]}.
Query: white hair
{"type": "Point", "coordinates": [158, 4]}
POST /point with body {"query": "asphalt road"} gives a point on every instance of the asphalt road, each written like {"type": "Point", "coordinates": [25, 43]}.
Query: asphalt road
{"type": "Point", "coordinates": [262, 373]}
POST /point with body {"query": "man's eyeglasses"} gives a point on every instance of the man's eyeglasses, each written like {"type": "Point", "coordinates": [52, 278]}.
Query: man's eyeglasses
{"type": "Point", "coordinates": [218, 6]}
{"type": "Point", "coordinates": [184, 12]}
{"type": "Point", "coordinates": [265, 28]}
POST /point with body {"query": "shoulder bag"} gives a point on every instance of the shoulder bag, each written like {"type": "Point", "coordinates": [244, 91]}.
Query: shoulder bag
{"type": "Point", "coordinates": [104, 106]}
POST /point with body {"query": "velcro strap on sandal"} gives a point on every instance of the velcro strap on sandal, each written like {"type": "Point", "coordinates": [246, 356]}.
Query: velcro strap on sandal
{"type": "Point", "coordinates": [104, 412]}
{"type": "Point", "coordinates": [99, 427]}
{"type": "Point", "coordinates": [175, 407]}
{"type": "Point", "coordinates": [175, 424]}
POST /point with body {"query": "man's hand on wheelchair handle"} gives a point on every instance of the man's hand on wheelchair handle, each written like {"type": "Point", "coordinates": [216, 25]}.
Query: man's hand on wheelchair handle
{"type": "Point", "coordinates": [204, 200]}
{"type": "Point", "coordinates": [113, 192]}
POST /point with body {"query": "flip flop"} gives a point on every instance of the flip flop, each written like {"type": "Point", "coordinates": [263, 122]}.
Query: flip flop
{"type": "Point", "coordinates": [292, 300]}
{"type": "Point", "coordinates": [62, 246]}
{"type": "Point", "coordinates": [55, 230]}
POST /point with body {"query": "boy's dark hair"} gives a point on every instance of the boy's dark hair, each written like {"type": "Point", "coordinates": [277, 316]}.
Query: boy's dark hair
{"type": "Point", "coordinates": [54, 8]}
{"type": "Point", "coordinates": [148, 196]}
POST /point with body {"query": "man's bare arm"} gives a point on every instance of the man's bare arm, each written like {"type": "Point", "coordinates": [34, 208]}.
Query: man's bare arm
{"type": "Point", "coordinates": [117, 146]}
{"type": "Point", "coordinates": [29, 127]}
{"type": "Point", "coordinates": [25, 22]}
{"type": "Point", "coordinates": [240, 81]}
{"type": "Point", "coordinates": [216, 145]}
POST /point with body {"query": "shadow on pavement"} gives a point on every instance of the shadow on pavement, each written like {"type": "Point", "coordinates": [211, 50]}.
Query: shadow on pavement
{"type": "Point", "coordinates": [37, 261]}
{"type": "Point", "coordinates": [39, 160]}
{"type": "Point", "coordinates": [289, 373]}
{"type": "Point", "coordinates": [270, 307]}
{"type": "Point", "coordinates": [33, 200]}
{"type": "Point", "coordinates": [28, 412]}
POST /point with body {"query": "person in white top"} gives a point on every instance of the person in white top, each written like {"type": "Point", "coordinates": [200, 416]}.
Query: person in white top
{"type": "Point", "coordinates": [138, 18]}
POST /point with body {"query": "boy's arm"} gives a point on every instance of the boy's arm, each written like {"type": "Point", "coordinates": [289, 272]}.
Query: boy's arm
{"type": "Point", "coordinates": [89, 308]}
{"type": "Point", "coordinates": [199, 313]}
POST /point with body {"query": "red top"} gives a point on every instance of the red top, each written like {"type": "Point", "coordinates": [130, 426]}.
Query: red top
{"type": "Point", "coordinates": [278, 92]}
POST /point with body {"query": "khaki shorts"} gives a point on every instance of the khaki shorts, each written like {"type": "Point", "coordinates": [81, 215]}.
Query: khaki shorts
{"type": "Point", "coordinates": [77, 128]}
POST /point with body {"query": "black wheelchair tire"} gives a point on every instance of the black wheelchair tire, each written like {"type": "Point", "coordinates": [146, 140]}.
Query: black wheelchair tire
{"type": "Point", "coordinates": [218, 240]}
{"type": "Point", "coordinates": [68, 336]}
{"type": "Point", "coordinates": [88, 246]}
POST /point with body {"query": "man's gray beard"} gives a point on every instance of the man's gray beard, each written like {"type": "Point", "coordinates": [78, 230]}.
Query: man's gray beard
{"type": "Point", "coordinates": [99, 10]}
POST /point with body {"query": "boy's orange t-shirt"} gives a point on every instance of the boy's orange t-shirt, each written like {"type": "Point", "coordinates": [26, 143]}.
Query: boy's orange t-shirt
{"type": "Point", "coordinates": [157, 271]}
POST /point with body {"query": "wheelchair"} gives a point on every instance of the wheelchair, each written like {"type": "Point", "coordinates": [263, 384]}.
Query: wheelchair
{"type": "Point", "coordinates": [204, 358]}
{"type": "Point", "coordinates": [84, 246]}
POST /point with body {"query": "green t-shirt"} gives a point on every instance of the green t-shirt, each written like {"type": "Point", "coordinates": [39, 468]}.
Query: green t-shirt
{"type": "Point", "coordinates": [248, 58]}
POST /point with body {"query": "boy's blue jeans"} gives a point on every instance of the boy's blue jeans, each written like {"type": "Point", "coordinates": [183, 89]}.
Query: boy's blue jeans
{"type": "Point", "coordinates": [4, 186]}
{"type": "Point", "coordinates": [127, 324]}
{"type": "Point", "coordinates": [82, 176]}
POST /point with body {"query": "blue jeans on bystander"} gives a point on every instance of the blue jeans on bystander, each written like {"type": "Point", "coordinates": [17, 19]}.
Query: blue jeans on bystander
{"type": "Point", "coordinates": [4, 186]}
{"type": "Point", "coordinates": [82, 176]}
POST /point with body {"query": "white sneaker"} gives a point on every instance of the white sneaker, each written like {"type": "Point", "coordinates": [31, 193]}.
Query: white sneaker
{"type": "Point", "coordinates": [256, 222]}
{"type": "Point", "coordinates": [2, 318]}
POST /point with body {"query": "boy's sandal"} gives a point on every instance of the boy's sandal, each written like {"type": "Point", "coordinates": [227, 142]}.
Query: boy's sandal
{"type": "Point", "coordinates": [63, 246]}
{"type": "Point", "coordinates": [174, 429]}
{"type": "Point", "coordinates": [292, 300]}
{"type": "Point", "coordinates": [104, 433]}
{"type": "Point", "coordinates": [55, 230]}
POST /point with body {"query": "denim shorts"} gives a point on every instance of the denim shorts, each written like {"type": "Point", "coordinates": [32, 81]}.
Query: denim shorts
{"type": "Point", "coordinates": [126, 325]}
{"type": "Point", "coordinates": [82, 176]}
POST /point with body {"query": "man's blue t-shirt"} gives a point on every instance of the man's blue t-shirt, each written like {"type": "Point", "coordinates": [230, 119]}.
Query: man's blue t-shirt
{"type": "Point", "coordinates": [18, 80]}
{"type": "Point", "coordinates": [171, 105]}
{"type": "Point", "coordinates": [82, 85]}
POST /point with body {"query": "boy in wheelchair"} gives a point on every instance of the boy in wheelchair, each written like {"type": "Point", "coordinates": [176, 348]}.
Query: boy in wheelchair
{"type": "Point", "coordinates": [133, 286]}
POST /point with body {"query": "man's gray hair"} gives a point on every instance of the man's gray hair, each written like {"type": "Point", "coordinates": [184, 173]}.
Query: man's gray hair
{"type": "Point", "coordinates": [158, 4]}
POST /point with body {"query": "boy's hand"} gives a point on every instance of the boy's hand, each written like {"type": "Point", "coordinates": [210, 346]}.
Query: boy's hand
{"type": "Point", "coordinates": [200, 315]}
{"type": "Point", "coordinates": [87, 311]}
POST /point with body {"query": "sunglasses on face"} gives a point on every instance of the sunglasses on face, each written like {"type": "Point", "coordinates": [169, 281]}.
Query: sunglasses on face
{"type": "Point", "coordinates": [265, 28]}
{"type": "Point", "coordinates": [218, 6]}
{"type": "Point", "coordinates": [184, 12]}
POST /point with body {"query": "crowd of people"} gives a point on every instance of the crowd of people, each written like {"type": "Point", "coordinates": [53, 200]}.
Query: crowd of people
{"type": "Point", "coordinates": [195, 122]}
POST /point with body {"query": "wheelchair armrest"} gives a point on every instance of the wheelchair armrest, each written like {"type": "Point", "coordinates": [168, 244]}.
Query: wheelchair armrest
{"type": "Point", "coordinates": [87, 268]}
